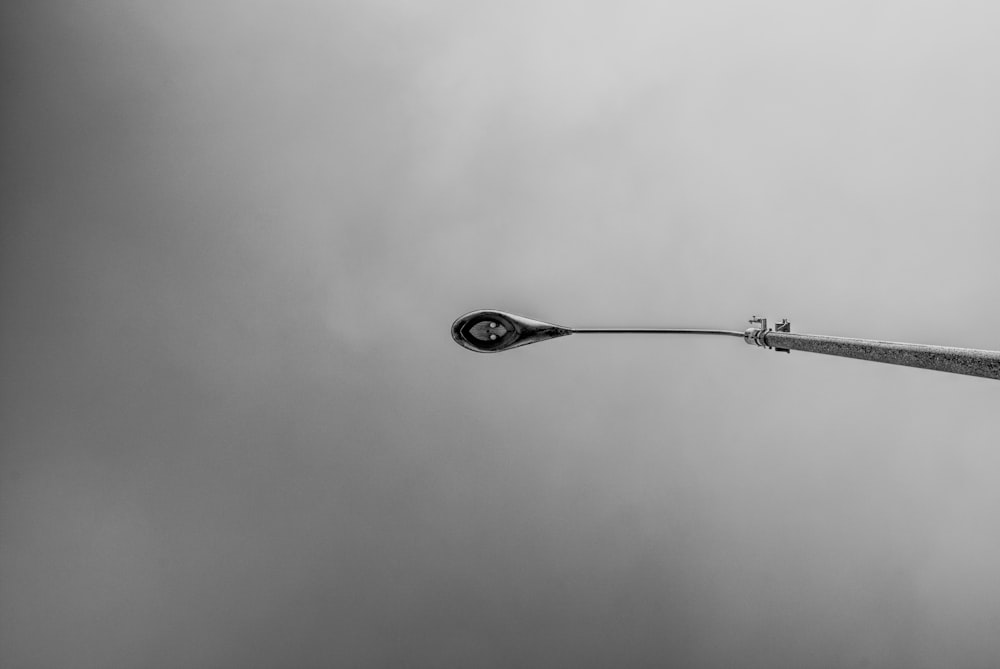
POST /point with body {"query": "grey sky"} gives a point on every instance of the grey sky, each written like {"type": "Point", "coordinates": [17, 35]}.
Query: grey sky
{"type": "Point", "coordinates": [235, 432]}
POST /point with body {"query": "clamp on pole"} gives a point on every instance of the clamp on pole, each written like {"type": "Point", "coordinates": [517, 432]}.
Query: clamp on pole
{"type": "Point", "coordinates": [755, 335]}
{"type": "Point", "coordinates": [758, 335]}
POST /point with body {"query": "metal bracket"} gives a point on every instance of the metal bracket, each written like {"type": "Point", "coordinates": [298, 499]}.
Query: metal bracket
{"type": "Point", "coordinates": [784, 326]}
{"type": "Point", "coordinates": [756, 335]}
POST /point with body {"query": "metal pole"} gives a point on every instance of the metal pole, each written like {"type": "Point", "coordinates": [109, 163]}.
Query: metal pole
{"type": "Point", "coordinates": [969, 361]}
{"type": "Point", "coordinates": [731, 333]}
{"type": "Point", "coordinates": [492, 331]}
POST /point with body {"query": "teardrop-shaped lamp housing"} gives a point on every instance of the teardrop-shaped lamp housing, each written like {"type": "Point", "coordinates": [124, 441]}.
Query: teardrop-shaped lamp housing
{"type": "Point", "coordinates": [490, 331]}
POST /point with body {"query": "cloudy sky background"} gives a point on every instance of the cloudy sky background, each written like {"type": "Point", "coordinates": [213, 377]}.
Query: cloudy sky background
{"type": "Point", "coordinates": [234, 431]}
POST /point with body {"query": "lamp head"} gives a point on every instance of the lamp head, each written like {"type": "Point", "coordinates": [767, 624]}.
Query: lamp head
{"type": "Point", "coordinates": [490, 331]}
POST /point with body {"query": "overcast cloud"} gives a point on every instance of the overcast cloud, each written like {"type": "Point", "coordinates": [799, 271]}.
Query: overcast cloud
{"type": "Point", "coordinates": [235, 432]}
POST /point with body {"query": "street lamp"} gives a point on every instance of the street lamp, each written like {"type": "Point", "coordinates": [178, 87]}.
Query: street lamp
{"type": "Point", "coordinates": [492, 331]}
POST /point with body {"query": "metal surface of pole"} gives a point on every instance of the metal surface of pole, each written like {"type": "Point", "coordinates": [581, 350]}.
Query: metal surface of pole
{"type": "Point", "coordinates": [492, 331]}
{"type": "Point", "coordinates": [972, 362]}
